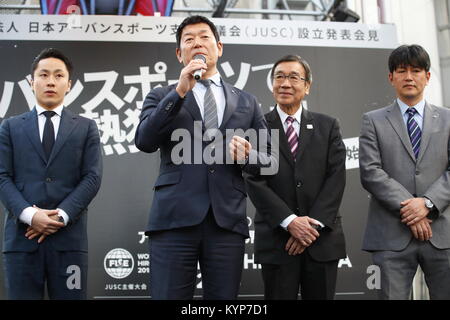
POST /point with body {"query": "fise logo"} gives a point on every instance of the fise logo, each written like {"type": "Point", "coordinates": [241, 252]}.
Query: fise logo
{"type": "Point", "coordinates": [118, 263]}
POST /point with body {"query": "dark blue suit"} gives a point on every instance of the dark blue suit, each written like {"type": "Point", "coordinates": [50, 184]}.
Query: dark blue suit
{"type": "Point", "coordinates": [187, 195]}
{"type": "Point", "coordinates": [68, 180]}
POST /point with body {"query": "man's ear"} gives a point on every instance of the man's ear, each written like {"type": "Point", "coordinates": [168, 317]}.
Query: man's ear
{"type": "Point", "coordinates": [307, 90]}
{"type": "Point", "coordinates": [307, 87]}
{"type": "Point", "coordinates": [391, 77]}
{"type": "Point", "coordinates": [220, 47]}
{"type": "Point", "coordinates": [178, 53]}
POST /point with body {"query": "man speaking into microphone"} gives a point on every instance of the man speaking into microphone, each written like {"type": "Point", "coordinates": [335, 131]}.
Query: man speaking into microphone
{"type": "Point", "coordinates": [198, 213]}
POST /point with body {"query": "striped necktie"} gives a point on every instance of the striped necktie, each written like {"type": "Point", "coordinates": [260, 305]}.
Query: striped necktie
{"type": "Point", "coordinates": [210, 107]}
{"type": "Point", "coordinates": [292, 136]}
{"type": "Point", "coordinates": [415, 134]}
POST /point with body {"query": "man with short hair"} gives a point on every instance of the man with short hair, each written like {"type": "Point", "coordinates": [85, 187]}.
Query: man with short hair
{"type": "Point", "coordinates": [404, 161]}
{"type": "Point", "coordinates": [198, 214]}
{"type": "Point", "coordinates": [50, 170]}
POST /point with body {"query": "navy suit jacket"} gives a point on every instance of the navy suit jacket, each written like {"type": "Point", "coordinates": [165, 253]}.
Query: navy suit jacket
{"type": "Point", "coordinates": [68, 180]}
{"type": "Point", "coordinates": [184, 192]}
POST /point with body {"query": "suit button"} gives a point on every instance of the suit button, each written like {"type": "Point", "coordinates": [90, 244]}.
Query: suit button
{"type": "Point", "coordinates": [299, 184]}
{"type": "Point", "coordinates": [169, 105]}
{"type": "Point", "coordinates": [417, 173]}
{"type": "Point", "coordinates": [211, 170]}
{"type": "Point", "coordinates": [48, 180]}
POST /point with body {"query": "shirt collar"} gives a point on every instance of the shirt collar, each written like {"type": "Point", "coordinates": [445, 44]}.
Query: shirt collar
{"type": "Point", "coordinates": [420, 107]}
{"type": "Point", "coordinates": [58, 110]}
{"type": "Point", "coordinates": [216, 79]}
{"type": "Point", "coordinates": [283, 115]}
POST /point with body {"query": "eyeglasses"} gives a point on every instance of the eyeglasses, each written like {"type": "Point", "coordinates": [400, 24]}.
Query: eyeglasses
{"type": "Point", "coordinates": [293, 78]}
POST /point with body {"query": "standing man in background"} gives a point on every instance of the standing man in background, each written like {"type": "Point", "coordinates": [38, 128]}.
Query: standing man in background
{"type": "Point", "coordinates": [50, 170]}
{"type": "Point", "coordinates": [298, 232]}
{"type": "Point", "coordinates": [198, 213]}
{"type": "Point", "coordinates": [405, 165]}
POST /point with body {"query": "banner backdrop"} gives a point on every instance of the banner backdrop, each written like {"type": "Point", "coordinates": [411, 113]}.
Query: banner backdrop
{"type": "Point", "coordinates": [118, 60]}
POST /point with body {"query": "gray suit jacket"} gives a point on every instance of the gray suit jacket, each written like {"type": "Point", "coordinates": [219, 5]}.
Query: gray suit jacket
{"type": "Point", "coordinates": [390, 172]}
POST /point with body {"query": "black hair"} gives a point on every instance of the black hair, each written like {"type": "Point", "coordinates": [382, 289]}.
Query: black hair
{"type": "Point", "coordinates": [51, 53]}
{"type": "Point", "coordinates": [295, 58]}
{"type": "Point", "coordinates": [412, 55]}
{"type": "Point", "coordinates": [195, 20]}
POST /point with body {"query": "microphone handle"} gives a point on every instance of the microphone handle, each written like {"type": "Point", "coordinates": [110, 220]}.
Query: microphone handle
{"type": "Point", "coordinates": [198, 74]}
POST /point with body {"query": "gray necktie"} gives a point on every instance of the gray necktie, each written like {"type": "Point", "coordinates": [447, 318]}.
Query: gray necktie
{"type": "Point", "coordinates": [210, 107]}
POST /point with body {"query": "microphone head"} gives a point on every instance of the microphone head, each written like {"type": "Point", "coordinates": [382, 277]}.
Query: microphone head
{"type": "Point", "coordinates": [198, 73]}
{"type": "Point", "coordinates": [200, 57]}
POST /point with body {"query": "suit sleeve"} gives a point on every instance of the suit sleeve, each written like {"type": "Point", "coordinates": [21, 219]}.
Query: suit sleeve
{"type": "Point", "coordinates": [326, 204]}
{"type": "Point", "coordinates": [263, 159]}
{"type": "Point", "coordinates": [374, 179]}
{"type": "Point", "coordinates": [91, 175]}
{"type": "Point", "coordinates": [439, 191]}
{"type": "Point", "coordinates": [268, 204]}
{"type": "Point", "coordinates": [10, 196]}
{"type": "Point", "coordinates": [159, 109]}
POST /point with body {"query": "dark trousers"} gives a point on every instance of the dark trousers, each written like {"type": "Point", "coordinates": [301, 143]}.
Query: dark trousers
{"type": "Point", "coordinates": [64, 272]}
{"type": "Point", "coordinates": [316, 280]}
{"type": "Point", "coordinates": [175, 254]}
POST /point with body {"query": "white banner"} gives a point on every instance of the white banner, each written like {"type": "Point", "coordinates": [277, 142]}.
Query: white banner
{"type": "Point", "coordinates": [163, 29]}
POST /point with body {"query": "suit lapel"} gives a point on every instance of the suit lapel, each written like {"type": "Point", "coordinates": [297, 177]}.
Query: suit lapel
{"type": "Point", "coordinates": [430, 123]}
{"type": "Point", "coordinates": [306, 131]}
{"type": "Point", "coordinates": [274, 122]}
{"type": "Point", "coordinates": [66, 126]}
{"type": "Point", "coordinates": [231, 98]}
{"type": "Point", "coordinates": [395, 118]}
{"type": "Point", "coordinates": [31, 129]}
{"type": "Point", "coordinates": [190, 104]}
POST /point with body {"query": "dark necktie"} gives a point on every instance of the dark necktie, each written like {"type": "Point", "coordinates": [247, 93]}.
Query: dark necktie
{"type": "Point", "coordinates": [48, 138]}
{"type": "Point", "coordinates": [210, 107]}
{"type": "Point", "coordinates": [415, 134]}
{"type": "Point", "coordinates": [292, 136]}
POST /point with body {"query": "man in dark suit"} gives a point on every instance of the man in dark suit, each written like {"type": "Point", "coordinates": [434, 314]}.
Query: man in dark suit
{"type": "Point", "coordinates": [405, 165]}
{"type": "Point", "coordinates": [199, 203]}
{"type": "Point", "coordinates": [298, 233]}
{"type": "Point", "coordinates": [50, 170]}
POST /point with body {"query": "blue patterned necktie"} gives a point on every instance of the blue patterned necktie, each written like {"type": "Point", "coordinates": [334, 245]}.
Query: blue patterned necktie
{"type": "Point", "coordinates": [415, 134]}
{"type": "Point", "coordinates": [292, 136]}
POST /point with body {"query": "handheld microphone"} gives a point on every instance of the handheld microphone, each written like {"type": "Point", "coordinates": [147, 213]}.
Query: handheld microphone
{"type": "Point", "coordinates": [198, 73]}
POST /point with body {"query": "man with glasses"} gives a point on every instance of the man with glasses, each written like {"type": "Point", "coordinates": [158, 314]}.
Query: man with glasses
{"type": "Point", "coordinates": [298, 233]}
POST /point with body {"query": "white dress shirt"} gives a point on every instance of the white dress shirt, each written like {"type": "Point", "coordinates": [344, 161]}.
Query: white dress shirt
{"type": "Point", "coordinates": [28, 213]}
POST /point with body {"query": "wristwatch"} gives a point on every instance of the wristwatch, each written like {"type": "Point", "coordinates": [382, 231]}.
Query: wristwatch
{"type": "Point", "coordinates": [429, 204]}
